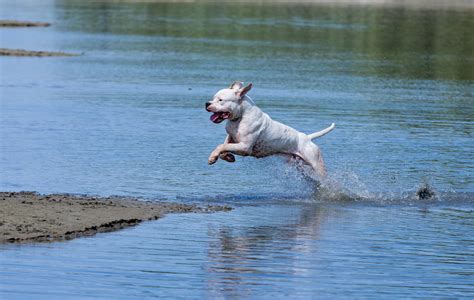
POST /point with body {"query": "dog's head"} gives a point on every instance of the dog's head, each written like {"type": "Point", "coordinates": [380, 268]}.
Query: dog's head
{"type": "Point", "coordinates": [226, 103]}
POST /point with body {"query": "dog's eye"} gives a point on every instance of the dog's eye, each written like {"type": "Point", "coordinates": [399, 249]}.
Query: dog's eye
{"type": "Point", "coordinates": [220, 100]}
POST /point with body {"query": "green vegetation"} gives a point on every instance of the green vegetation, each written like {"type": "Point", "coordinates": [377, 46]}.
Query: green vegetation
{"type": "Point", "coordinates": [418, 43]}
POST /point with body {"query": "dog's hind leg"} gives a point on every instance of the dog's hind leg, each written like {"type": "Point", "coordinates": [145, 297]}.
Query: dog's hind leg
{"type": "Point", "coordinates": [227, 156]}
{"type": "Point", "coordinates": [312, 155]}
{"type": "Point", "coordinates": [300, 164]}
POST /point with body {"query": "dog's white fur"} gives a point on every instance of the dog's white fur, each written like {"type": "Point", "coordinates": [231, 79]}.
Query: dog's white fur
{"type": "Point", "coordinates": [251, 132]}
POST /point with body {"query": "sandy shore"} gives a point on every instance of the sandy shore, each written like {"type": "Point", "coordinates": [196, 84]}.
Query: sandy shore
{"type": "Point", "coordinates": [21, 52]}
{"type": "Point", "coordinates": [15, 23]}
{"type": "Point", "coordinates": [31, 217]}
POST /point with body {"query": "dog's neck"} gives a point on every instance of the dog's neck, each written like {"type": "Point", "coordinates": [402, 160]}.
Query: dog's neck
{"type": "Point", "coordinates": [248, 100]}
{"type": "Point", "coordinates": [247, 104]}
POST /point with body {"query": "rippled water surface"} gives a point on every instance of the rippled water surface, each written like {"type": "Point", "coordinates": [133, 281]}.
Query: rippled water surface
{"type": "Point", "coordinates": [127, 118]}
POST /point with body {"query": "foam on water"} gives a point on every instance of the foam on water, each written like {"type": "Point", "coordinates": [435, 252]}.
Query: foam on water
{"type": "Point", "coordinates": [341, 186]}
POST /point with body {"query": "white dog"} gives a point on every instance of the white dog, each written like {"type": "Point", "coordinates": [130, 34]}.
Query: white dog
{"type": "Point", "coordinates": [251, 132]}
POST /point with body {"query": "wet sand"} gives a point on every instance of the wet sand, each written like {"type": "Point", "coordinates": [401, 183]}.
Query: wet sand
{"type": "Point", "coordinates": [21, 52]}
{"type": "Point", "coordinates": [31, 217]}
{"type": "Point", "coordinates": [15, 23]}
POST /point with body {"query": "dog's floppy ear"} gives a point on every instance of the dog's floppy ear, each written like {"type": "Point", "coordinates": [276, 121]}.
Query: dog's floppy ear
{"type": "Point", "coordinates": [243, 91]}
{"type": "Point", "coordinates": [236, 85]}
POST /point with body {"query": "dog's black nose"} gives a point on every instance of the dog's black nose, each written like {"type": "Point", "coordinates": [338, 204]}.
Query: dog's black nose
{"type": "Point", "coordinates": [207, 104]}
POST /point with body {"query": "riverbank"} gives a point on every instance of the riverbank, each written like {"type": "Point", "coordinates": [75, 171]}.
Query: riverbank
{"type": "Point", "coordinates": [31, 217]}
{"type": "Point", "coordinates": [16, 23]}
{"type": "Point", "coordinates": [22, 52]}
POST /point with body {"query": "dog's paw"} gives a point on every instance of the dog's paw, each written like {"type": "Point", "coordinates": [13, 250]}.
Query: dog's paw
{"type": "Point", "coordinates": [227, 157]}
{"type": "Point", "coordinates": [212, 160]}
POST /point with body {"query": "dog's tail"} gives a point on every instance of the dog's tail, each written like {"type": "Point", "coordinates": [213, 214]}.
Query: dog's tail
{"type": "Point", "coordinates": [312, 136]}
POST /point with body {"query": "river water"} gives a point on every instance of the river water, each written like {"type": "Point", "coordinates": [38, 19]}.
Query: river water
{"type": "Point", "coordinates": [127, 118]}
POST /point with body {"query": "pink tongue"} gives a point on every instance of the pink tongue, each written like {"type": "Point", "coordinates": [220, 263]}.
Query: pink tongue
{"type": "Point", "coordinates": [215, 116]}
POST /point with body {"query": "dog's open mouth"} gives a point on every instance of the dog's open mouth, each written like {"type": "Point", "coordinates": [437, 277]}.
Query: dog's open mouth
{"type": "Point", "coordinates": [218, 117]}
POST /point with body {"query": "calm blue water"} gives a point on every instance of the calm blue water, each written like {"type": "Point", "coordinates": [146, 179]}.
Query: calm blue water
{"type": "Point", "coordinates": [127, 118]}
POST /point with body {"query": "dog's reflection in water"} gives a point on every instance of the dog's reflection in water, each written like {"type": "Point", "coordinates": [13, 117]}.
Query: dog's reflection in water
{"type": "Point", "coordinates": [236, 253]}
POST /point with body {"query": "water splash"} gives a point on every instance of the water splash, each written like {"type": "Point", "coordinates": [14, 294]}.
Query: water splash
{"type": "Point", "coordinates": [274, 180]}
{"type": "Point", "coordinates": [348, 186]}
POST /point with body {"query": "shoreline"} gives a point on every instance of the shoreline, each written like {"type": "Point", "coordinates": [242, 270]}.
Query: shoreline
{"type": "Point", "coordinates": [413, 4]}
{"type": "Point", "coordinates": [16, 23]}
{"type": "Point", "coordinates": [22, 52]}
{"type": "Point", "coordinates": [27, 217]}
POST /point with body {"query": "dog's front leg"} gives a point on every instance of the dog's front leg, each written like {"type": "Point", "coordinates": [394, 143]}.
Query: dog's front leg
{"type": "Point", "coordinates": [229, 157]}
{"type": "Point", "coordinates": [239, 149]}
